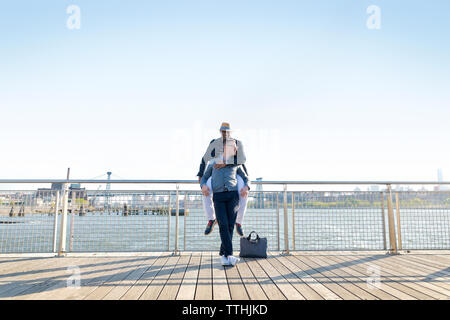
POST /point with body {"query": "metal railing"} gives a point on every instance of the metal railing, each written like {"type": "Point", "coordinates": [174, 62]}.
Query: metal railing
{"type": "Point", "coordinates": [79, 220]}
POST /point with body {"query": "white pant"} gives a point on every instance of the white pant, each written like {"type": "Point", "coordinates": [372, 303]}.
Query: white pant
{"type": "Point", "coordinates": [209, 207]}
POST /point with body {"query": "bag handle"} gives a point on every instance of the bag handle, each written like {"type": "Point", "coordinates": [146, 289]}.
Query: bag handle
{"type": "Point", "coordinates": [250, 235]}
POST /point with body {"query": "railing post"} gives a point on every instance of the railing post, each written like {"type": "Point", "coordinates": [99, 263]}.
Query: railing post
{"type": "Point", "coordinates": [293, 221]}
{"type": "Point", "coordinates": [72, 217]}
{"type": "Point", "coordinates": [383, 218]}
{"type": "Point", "coordinates": [286, 227]}
{"type": "Point", "coordinates": [186, 207]}
{"type": "Point", "coordinates": [278, 222]}
{"type": "Point", "coordinates": [168, 224]}
{"type": "Point", "coordinates": [63, 230]}
{"type": "Point", "coordinates": [392, 238]}
{"type": "Point", "coordinates": [397, 213]}
{"type": "Point", "coordinates": [55, 222]}
{"type": "Point", "coordinates": [177, 219]}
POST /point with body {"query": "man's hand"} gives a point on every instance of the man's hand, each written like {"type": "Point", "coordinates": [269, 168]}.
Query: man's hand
{"type": "Point", "coordinates": [205, 190]}
{"type": "Point", "coordinates": [244, 192]}
{"type": "Point", "coordinates": [219, 165]}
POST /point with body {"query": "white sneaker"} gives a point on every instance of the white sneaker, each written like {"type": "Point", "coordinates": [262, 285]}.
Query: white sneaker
{"type": "Point", "coordinates": [233, 260]}
{"type": "Point", "coordinates": [224, 260]}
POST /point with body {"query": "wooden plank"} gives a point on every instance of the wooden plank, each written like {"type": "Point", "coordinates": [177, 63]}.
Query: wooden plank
{"type": "Point", "coordinates": [146, 279]}
{"type": "Point", "coordinates": [189, 283]}
{"type": "Point", "coordinates": [14, 270]}
{"type": "Point", "coordinates": [443, 257]}
{"type": "Point", "coordinates": [156, 286]}
{"type": "Point", "coordinates": [350, 282]}
{"type": "Point", "coordinates": [33, 278]}
{"type": "Point", "coordinates": [417, 271]}
{"type": "Point", "coordinates": [409, 276]}
{"type": "Point", "coordinates": [344, 267]}
{"type": "Point", "coordinates": [237, 288]}
{"type": "Point", "coordinates": [270, 288]}
{"type": "Point", "coordinates": [305, 290]}
{"type": "Point", "coordinates": [119, 275]}
{"type": "Point", "coordinates": [322, 278]}
{"type": "Point", "coordinates": [442, 260]}
{"type": "Point", "coordinates": [221, 291]}
{"type": "Point", "coordinates": [414, 281]}
{"type": "Point", "coordinates": [118, 291]}
{"type": "Point", "coordinates": [291, 263]}
{"type": "Point", "coordinates": [360, 279]}
{"type": "Point", "coordinates": [96, 272]}
{"type": "Point", "coordinates": [420, 266]}
{"type": "Point", "coordinates": [170, 290]}
{"type": "Point", "coordinates": [432, 262]}
{"type": "Point", "coordinates": [437, 277]}
{"type": "Point", "coordinates": [55, 288]}
{"type": "Point", "coordinates": [99, 273]}
{"type": "Point", "coordinates": [394, 288]}
{"type": "Point", "coordinates": [352, 265]}
{"type": "Point", "coordinates": [288, 290]}
{"type": "Point", "coordinates": [24, 264]}
{"type": "Point", "coordinates": [204, 282]}
{"type": "Point", "coordinates": [254, 290]}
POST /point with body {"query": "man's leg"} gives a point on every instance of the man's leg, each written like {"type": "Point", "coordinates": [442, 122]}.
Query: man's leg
{"type": "Point", "coordinates": [221, 206]}
{"type": "Point", "coordinates": [242, 207]}
{"type": "Point", "coordinates": [232, 206]}
{"type": "Point", "coordinates": [208, 203]}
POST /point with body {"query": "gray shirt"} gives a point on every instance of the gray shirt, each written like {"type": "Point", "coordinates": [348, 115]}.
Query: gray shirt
{"type": "Point", "coordinates": [224, 179]}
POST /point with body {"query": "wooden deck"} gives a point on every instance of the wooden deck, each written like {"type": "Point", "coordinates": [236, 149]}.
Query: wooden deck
{"type": "Point", "coordinates": [199, 276]}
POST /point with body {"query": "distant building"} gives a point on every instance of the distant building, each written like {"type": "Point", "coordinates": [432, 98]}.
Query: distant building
{"type": "Point", "coordinates": [440, 175]}
{"type": "Point", "coordinates": [259, 195]}
{"type": "Point", "coordinates": [47, 194]}
{"type": "Point", "coordinates": [57, 186]}
{"type": "Point", "coordinates": [441, 179]}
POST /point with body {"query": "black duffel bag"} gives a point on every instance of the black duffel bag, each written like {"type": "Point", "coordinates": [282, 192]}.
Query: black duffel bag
{"type": "Point", "coordinates": [253, 248]}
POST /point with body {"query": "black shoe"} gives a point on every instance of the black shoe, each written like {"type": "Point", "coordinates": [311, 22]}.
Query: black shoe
{"type": "Point", "coordinates": [210, 226]}
{"type": "Point", "coordinates": [239, 230]}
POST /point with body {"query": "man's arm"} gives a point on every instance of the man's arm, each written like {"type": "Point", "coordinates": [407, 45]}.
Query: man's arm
{"type": "Point", "coordinates": [204, 179]}
{"type": "Point", "coordinates": [201, 170]}
{"type": "Point", "coordinates": [244, 168]}
{"type": "Point", "coordinates": [243, 176]}
{"type": "Point", "coordinates": [209, 154]}
{"type": "Point", "coordinates": [206, 176]}
{"type": "Point", "coordinates": [240, 157]}
{"type": "Point", "coordinates": [244, 191]}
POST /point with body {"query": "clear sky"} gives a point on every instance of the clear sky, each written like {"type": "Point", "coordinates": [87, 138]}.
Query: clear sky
{"type": "Point", "coordinates": [142, 87]}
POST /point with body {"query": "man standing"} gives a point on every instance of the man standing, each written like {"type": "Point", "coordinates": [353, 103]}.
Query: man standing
{"type": "Point", "coordinates": [226, 203]}
{"type": "Point", "coordinates": [216, 149]}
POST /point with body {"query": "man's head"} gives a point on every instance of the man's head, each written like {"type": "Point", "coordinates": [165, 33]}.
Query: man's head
{"type": "Point", "coordinates": [225, 130]}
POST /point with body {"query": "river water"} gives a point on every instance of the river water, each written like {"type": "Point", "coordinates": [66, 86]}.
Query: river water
{"type": "Point", "coordinates": [315, 229]}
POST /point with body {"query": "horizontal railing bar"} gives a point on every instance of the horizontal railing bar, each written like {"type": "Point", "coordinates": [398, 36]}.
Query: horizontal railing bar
{"type": "Point", "coordinates": [196, 182]}
{"type": "Point", "coordinates": [192, 192]}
